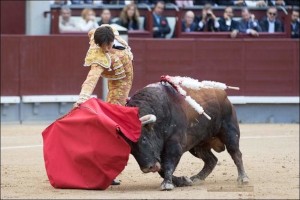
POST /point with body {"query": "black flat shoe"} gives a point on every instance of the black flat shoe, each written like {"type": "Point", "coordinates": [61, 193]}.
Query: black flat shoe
{"type": "Point", "coordinates": [115, 182]}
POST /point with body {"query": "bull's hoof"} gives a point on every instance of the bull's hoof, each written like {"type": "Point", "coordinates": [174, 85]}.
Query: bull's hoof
{"type": "Point", "coordinates": [165, 185]}
{"type": "Point", "coordinates": [243, 179]}
{"type": "Point", "coordinates": [196, 179]}
{"type": "Point", "coordinates": [182, 181]}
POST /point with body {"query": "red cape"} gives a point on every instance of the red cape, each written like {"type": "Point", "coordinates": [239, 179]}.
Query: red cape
{"type": "Point", "coordinates": [84, 149]}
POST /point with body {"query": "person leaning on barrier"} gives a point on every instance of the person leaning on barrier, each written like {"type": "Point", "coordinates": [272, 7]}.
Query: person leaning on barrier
{"type": "Point", "coordinates": [160, 23]}
{"type": "Point", "coordinates": [227, 23]}
{"type": "Point", "coordinates": [270, 23]}
{"type": "Point", "coordinates": [208, 21]}
{"type": "Point", "coordinates": [295, 24]}
{"type": "Point", "coordinates": [248, 24]}
{"type": "Point", "coordinates": [66, 22]}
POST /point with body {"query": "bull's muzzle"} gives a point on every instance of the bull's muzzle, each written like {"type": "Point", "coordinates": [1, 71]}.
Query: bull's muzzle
{"type": "Point", "coordinates": [147, 119]}
{"type": "Point", "coordinates": [153, 168]}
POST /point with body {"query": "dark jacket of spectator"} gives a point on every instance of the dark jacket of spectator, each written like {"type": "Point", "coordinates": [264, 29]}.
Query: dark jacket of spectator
{"type": "Point", "coordinates": [224, 27]}
{"type": "Point", "coordinates": [293, 2]}
{"type": "Point", "coordinates": [134, 25]}
{"type": "Point", "coordinates": [163, 27]}
{"type": "Point", "coordinates": [295, 29]}
{"type": "Point", "coordinates": [100, 22]}
{"type": "Point", "coordinates": [245, 25]}
{"type": "Point", "coordinates": [209, 26]}
{"type": "Point", "coordinates": [264, 24]}
{"type": "Point", "coordinates": [192, 28]}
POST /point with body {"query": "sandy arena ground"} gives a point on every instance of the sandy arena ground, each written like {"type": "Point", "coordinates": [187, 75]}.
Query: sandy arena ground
{"type": "Point", "coordinates": [270, 154]}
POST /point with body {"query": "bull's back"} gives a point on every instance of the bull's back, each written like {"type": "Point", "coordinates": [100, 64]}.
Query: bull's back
{"type": "Point", "coordinates": [216, 104]}
{"type": "Point", "coordinates": [213, 101]}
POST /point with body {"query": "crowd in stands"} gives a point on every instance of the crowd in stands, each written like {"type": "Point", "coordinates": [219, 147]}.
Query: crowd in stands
{"type": "Point", "coordinates": [206, 22]}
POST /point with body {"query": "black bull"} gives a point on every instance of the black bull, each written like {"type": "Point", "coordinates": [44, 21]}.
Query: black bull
{"type": "Point", "coordinates": [171, 127]}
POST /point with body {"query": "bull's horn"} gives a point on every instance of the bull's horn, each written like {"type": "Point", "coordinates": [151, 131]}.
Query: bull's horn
{"type": "Point", "coordinates": [147, 119]}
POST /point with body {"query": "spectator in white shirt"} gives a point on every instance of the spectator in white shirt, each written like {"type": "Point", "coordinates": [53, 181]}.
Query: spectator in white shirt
{"type": "Point", "coordinates": [66, 23]}
{"type": "Point", "coordinates": [88, 21]}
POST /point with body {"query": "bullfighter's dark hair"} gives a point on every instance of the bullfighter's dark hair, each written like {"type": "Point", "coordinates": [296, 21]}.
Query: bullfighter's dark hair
{"type": "Point", "coordinates": [104, 35]}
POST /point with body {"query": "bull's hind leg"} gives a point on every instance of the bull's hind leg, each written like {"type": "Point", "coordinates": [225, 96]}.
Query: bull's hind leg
{"type": "Point", "coordinates": [210, 161]}
{"type": "Point", "coordinates": [230, 136]}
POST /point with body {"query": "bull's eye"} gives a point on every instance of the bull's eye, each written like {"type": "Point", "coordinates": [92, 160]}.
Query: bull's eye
{"type": "Point", "coordinates": [143, 139]}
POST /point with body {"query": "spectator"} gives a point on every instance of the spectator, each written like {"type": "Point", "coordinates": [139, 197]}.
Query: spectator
{"type": "Point", "coordinates": [295, 24]}
{"type": "Point", "coordinates": [184, 3]}
{"type": "Point", "coordinates": [129, 17]}
{"type": "Point", "coordinates": [208, 21]}
{"type": "Point", "coordinates": [88, 20]}
{"type": "Point", "coordinates": [256, 3]}
{"type": "Point", "coordinates": [227, 23]}
{"type": "Point", "coordinates": [276, 3]}
{"type": "Point", "coordinates": [270, 24]}
{"type": "Point", "coordinates": [160, 24]}
{"type": "Point", "coordinates": [66, 23]}
{"type": "Point", "coordinates": [188, 23]}
{"type": "Point", "coordinates": [248, 24]}
{"type": "Point", "coordinates": [105, 17]}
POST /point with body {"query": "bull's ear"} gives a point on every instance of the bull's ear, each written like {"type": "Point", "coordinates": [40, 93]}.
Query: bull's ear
{"type": "Point", "coordinates": [147, 119]}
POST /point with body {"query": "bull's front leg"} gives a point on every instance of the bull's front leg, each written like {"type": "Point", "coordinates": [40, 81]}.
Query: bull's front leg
{"type": "Point", "coordinates": [170, 159]}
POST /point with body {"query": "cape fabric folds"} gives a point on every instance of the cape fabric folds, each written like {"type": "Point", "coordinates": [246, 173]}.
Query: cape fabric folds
{"type": "Point", "coordinates": [85, 150]}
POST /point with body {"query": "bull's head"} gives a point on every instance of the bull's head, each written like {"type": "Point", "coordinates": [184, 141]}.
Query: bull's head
{"type": "Point", "coordinates": [147, 150]}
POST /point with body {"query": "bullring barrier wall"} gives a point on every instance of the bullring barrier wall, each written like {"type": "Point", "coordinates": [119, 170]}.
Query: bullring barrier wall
{"type": "Point", "coordinates": [41, 76]}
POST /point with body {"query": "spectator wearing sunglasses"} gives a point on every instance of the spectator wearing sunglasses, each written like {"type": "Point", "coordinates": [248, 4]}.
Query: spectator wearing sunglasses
{"type": "Point", "coordinates": [270, 23]}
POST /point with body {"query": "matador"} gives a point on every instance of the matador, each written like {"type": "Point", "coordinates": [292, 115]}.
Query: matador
{"type": "Point", "coordinates": [108, 56]}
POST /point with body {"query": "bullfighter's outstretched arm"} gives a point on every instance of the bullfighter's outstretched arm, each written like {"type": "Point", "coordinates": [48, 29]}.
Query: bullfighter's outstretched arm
{"type": "Point", "coordinates": [89, 84]}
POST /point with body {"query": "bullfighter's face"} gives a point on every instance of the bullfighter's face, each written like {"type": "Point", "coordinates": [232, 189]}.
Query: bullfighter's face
{"type": "Point", "coordinates": [106, 48]}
